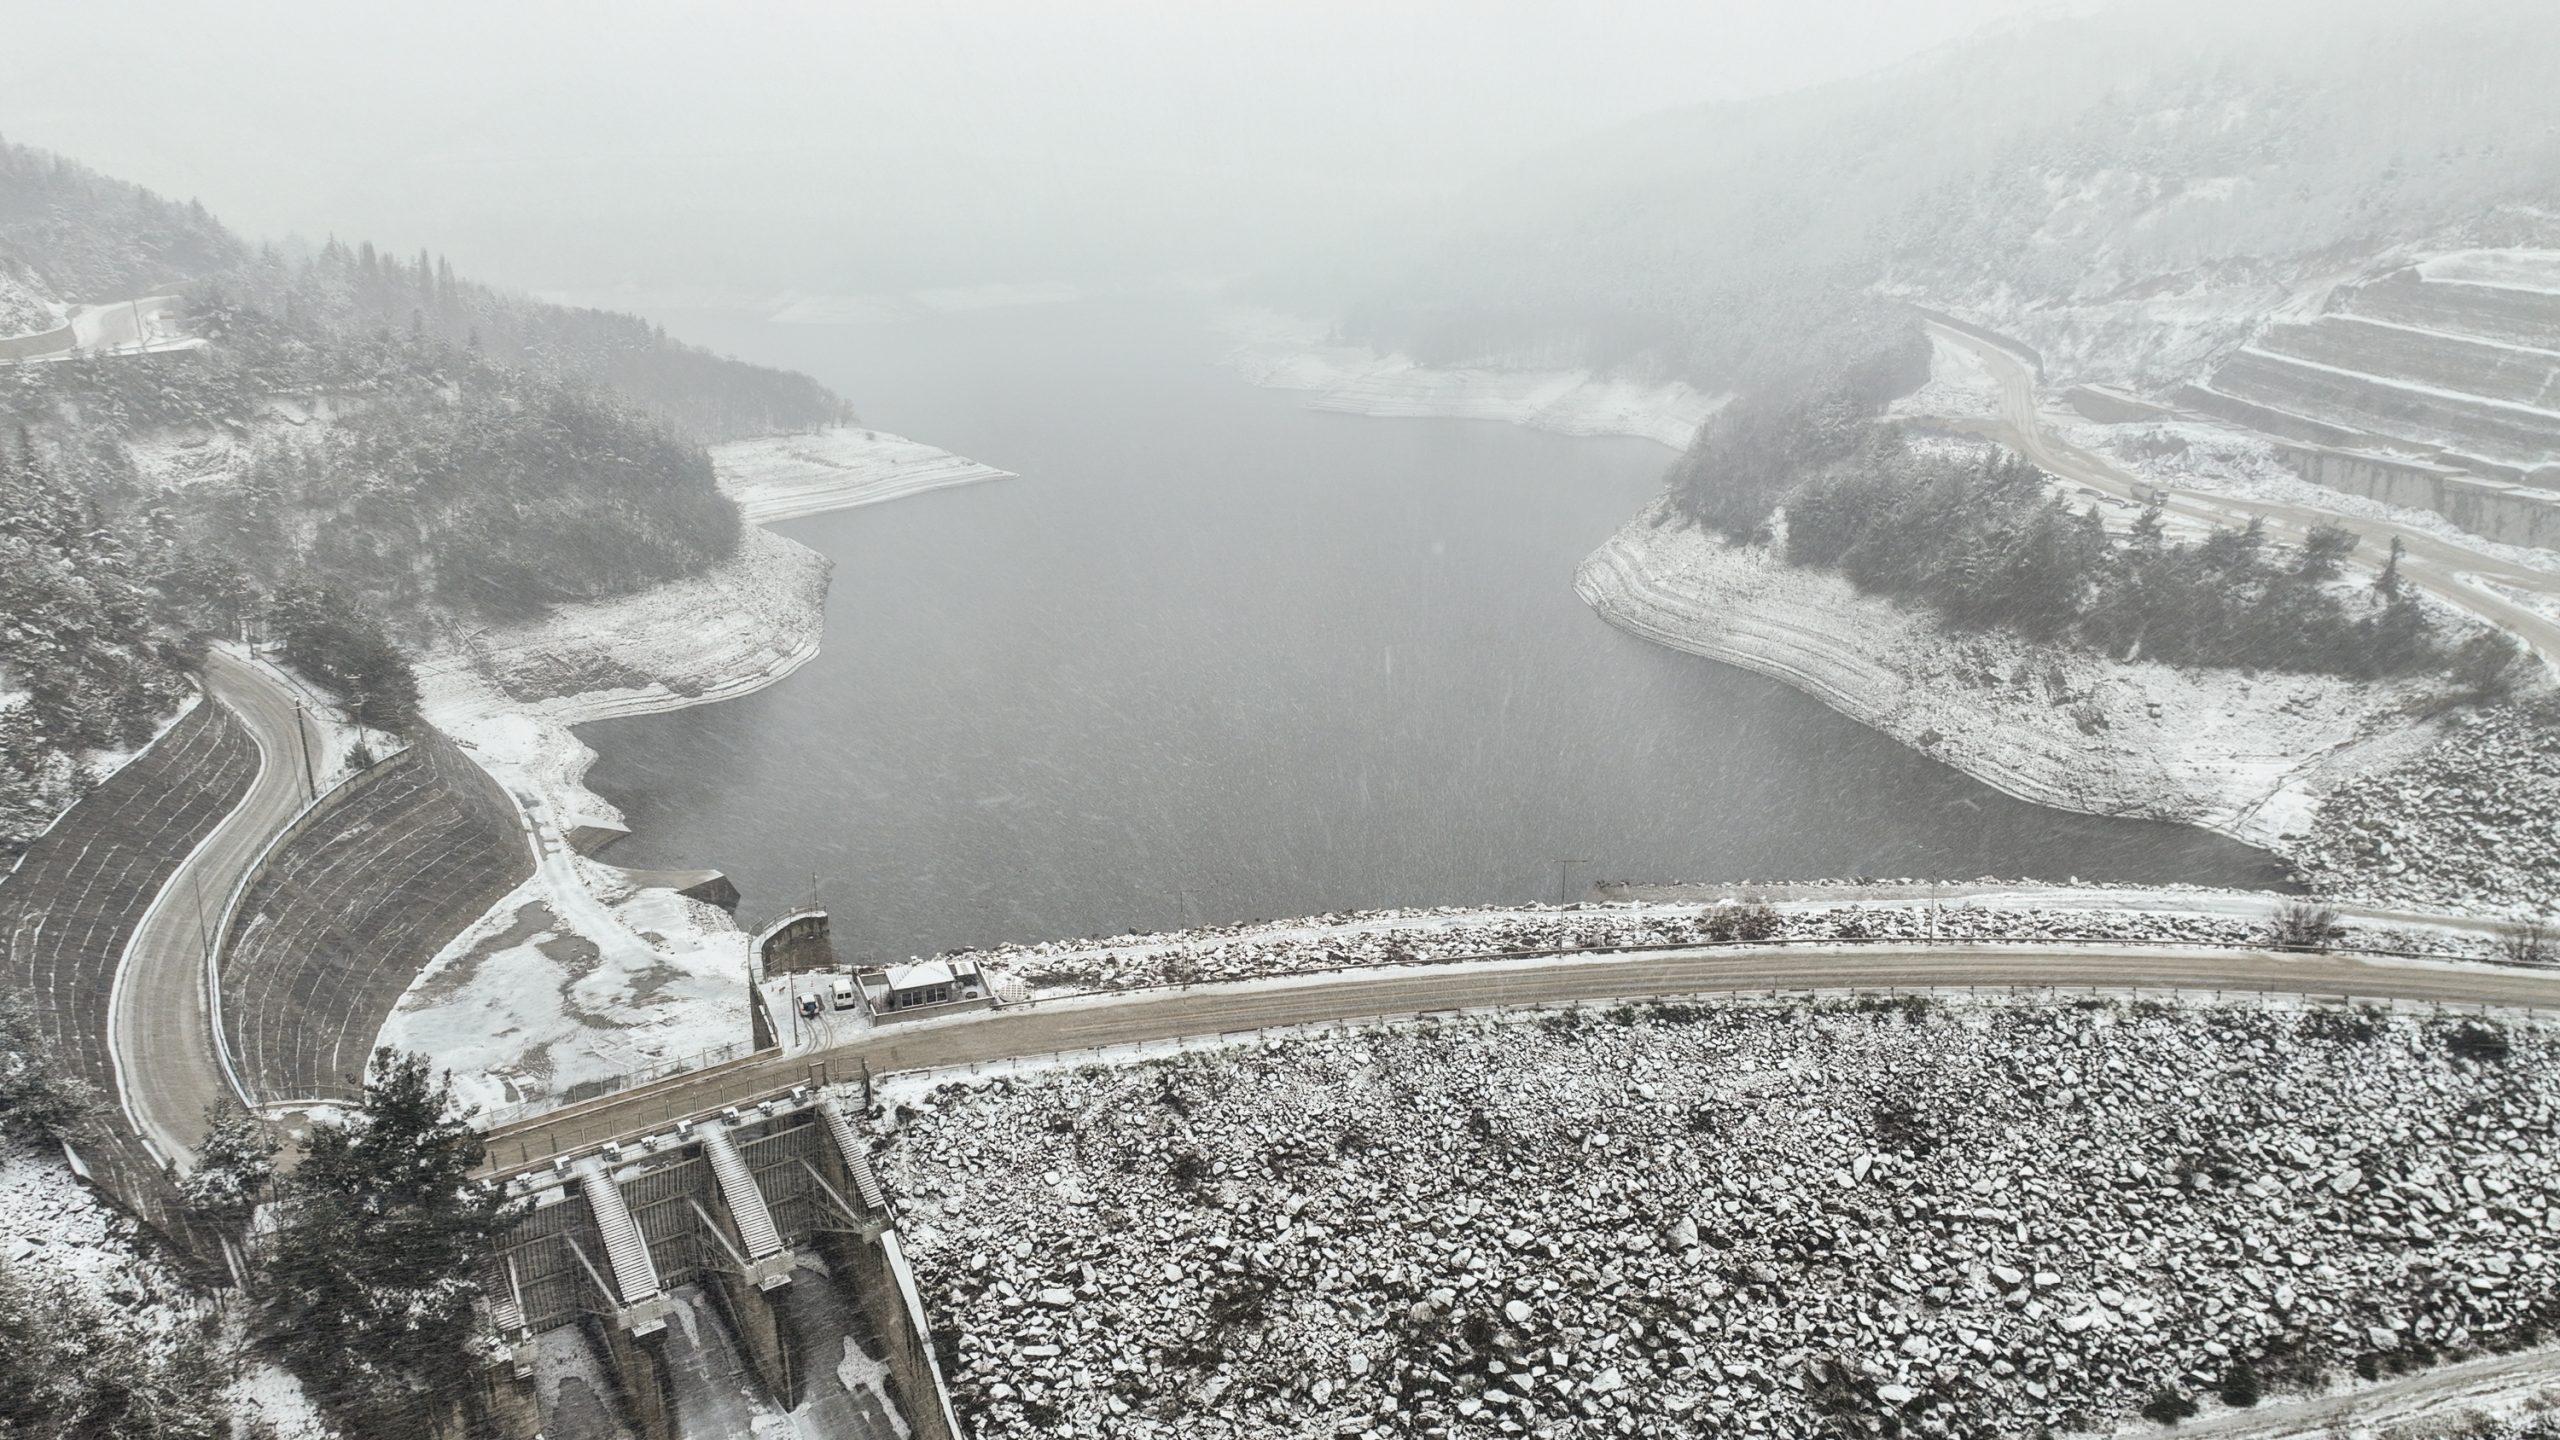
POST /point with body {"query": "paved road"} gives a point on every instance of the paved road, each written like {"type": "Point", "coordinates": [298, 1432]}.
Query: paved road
{"type": "Point", "coordinates": [120, 326]}
{"type": "Point", "coordinates": [2430, 562]}
{"type": "Point", "coordinates": [159, 1018]}
{"type": "Point", "coordinates": [2439, 1395]}
{"type": "Point", "coordinates": [1090, 1022]}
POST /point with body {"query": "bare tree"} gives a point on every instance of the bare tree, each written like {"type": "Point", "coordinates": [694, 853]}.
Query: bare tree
{"type": "Point", "coordinates": [2529, 941]}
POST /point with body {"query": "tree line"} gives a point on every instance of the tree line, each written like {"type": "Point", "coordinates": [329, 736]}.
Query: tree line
{"type": "Point", "coordinates": [367, 1275]}
{"type": "Point", "coordinates": [420, 451]}
{"type": "Point", "coordinates": [1986, 541]}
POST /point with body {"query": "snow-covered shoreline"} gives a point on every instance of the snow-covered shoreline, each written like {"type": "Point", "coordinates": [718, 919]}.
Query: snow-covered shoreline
{"type": "Point", "coordinates": [2248, 756]}
{"type": "Point", "coordinates": [1288, 353]}
{"type": "Point", "coordinates": [784, 477]}
{"type": "Point", "coordinates": [584, 974]}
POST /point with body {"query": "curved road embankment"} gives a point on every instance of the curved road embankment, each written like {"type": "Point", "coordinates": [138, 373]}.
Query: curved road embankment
{"type": "Point", "coordinates": [127, 327]}
{"type": "Point", "coordinates": [160, 1016]}
{"type": "Point", "coordinates": [2429, 561]}
{"type": "Point", "coordinates": [340, 914]}
{"type": "Point", "coordinates": [1098, 1021]}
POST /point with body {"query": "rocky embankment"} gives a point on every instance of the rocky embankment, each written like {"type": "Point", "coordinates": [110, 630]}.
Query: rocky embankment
{"type": "Point", "coordinates": [1891, 1217]}
{"type": "Point", "coordinates": [2249, 755]}
{"type": "Point", "coordinates": [1286, 353]}
{"type": "Point", "coordinates": [1447, 934]}
{"type": "Point", "coordinates": [2473, 819]}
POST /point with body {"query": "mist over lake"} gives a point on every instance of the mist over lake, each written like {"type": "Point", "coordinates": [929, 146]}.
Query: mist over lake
{"type": "Point", "coordinates": [1218, 657]}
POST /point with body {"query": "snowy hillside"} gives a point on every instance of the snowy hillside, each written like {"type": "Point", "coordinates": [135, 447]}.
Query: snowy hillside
{"type": "Point", "coordinates": [25, 308]}
{"type": "Point", "coordinates": [2456, 358]}
{"type": "Point", "coordinates": [2132, 191]}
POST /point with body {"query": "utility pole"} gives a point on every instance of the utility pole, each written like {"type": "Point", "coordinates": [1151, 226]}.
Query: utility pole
{"type": "Point", "coordinates": [204, 932]}
{"type": "Point", "coordinates": [310, 778]}
{"type": "Point", "coordinates": [1564, 868]}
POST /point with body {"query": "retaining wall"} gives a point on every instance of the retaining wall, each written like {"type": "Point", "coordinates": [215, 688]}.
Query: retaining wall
{"type": "Point", "coordinates": [346, 908]}
{"type": "Point", "coordinates": [70, 906]}
{"type": "Point", "coordinates": [2498, 510]}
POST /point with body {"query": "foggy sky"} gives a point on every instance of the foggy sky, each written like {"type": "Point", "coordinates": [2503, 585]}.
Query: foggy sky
{"type": "Point", "coordinates": [843, 148]}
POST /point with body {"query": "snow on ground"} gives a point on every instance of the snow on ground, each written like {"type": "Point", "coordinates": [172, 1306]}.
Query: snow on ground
{"type": "Point", "coordinates": [527, 1007]}
{"type": "Point", "coordinates": [581, 976]}
{"type": "Point", "coordinates": [2248, 755]}
{"type": "Point", "coordinates": [2506, 269]}
{"type": "Point", "coordinates": [52, 799]}
{"type": "Point", "coordinates": [54, 1230]}
{"type": "Point", "coordinates": [2213, 459]}
{"type": "Point", "coordinates": [783, 477]}
{"type": "Point", "coordinates": [1286, 353]}
{"type": "Point", "coordinates": [59, 1237]}
{"type": "Point", "coordinates": [1699, 915]}
{"type": "Point", "coordinates": [509, 695]}
{"type": "Point", "coordinates": [25, 309]}
{"type": "Point", "coordinates": [266, 1401]}
{"type": "Point", "coordinates": [1960, 386]}
{"type": "Point", "coordinates": [1742, 1218]}
{"type": "Point", "coordinates": [2473, 819]}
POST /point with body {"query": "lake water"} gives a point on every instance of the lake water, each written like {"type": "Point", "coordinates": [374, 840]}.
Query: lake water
{"type": "Point", "coordinates": [1217, 657]}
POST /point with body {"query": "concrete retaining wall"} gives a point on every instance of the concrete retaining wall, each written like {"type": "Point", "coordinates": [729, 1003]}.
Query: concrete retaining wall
{"type": "Point", "coordinates": [2501, 510]}
{"type": "Point", "coordinates": [343, 910]}
{"type": "Point", "coordinates": [43, 342]}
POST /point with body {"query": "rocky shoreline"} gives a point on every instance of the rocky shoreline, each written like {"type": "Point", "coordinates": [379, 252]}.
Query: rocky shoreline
{"type": "Point", "coordinates": [586, 973]}
{"type": "Point", "coordinates": [2251, 756]}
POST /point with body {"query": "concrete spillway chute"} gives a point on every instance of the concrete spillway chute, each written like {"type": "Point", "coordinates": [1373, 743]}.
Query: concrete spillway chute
{"type": "Point", "coordinates": [644, 1307]}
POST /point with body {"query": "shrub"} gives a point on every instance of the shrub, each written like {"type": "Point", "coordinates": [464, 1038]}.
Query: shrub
{"type": "Point", "coordinates": [2528, 942]}
{"type": "Point", "coordinates": [2477, 1041]}
{"type": "Point", "coordinates": [2304, 925]}
{"type": "Point", "coordinates": [2168, 1407]}
{"type": "Point", "coordinates": [2240, 1388]}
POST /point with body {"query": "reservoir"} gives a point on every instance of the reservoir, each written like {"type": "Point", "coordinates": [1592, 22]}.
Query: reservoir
{"type": "Point", "coordinates": [1217, 657]}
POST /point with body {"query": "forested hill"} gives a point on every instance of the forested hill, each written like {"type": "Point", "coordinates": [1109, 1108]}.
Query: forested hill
{"type": "Point", "coordinates": [2137, 185]}
{"type": "Point", "coordinates": [363, 451]}
{"type": "Point", "coordinates": [93, 238]}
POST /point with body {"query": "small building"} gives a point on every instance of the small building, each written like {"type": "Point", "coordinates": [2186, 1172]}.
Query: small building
{"type": "Point", "coordinates": [951, 983]}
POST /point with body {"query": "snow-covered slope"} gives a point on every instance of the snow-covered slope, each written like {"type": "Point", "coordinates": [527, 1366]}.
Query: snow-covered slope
{"type": "Point", "coordinates": [2250, 756]}
{"type": "Point", "coordinates": [2456, 359]}
{"type": "Point", "coordinates": [583, 975]}
{"type": "Point", "coordinates": [783, 477]}
{"type": "Point", "coordinates": [2131, 187]}
{"type": "Point", "coordinates": [25, 307]}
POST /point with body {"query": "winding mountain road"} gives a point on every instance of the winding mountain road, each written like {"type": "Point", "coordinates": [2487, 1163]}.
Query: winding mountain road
{"type": "Point", "coordinates": [2434, 564]}
{"type": "Point", "coordinates": [160, 1022]}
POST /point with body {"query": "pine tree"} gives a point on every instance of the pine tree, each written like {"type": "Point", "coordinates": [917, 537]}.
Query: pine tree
{"type": "Point", "coordinates": [233, 1166]}
{"type": "Point", "coordinates": [374, 1271]}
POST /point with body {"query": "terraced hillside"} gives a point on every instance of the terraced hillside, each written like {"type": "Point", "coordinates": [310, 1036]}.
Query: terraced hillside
{"type": "Point", "coordinates": [2455, 360]}
{"type": "Point", "coordinates": [79, 891]}
{"type": "Point", "coordinates": [348, 908]}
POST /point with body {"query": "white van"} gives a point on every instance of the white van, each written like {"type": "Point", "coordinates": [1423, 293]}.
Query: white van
{"type": "Point", "coordinates": [846, 998]}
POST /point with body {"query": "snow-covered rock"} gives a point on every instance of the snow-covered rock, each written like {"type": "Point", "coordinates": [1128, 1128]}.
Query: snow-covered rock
{"type": "Point", "coordinates": [2070, 1207]}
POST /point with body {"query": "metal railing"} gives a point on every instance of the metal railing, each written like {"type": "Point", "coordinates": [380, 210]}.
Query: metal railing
{"type": "Point", "coordinates": [498, 1116]}
{"type": "Point", "coordinates": [588, 1091]}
